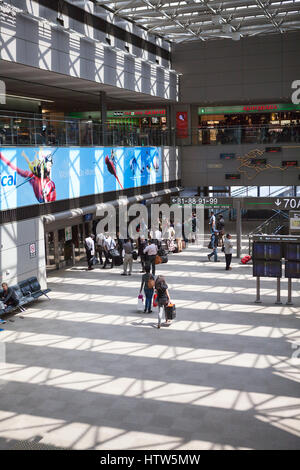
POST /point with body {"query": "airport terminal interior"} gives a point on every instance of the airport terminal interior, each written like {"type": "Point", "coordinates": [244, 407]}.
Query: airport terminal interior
{"type": "Point", "coordinates": [149, 225]}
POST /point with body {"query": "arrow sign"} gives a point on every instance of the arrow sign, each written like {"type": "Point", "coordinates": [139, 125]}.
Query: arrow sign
{"type": "Point", "coordinates": [278, 202]}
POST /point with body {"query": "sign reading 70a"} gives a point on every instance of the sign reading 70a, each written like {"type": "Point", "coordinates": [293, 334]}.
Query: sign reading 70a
{"type": "Point", "coordinates": [287, 203]}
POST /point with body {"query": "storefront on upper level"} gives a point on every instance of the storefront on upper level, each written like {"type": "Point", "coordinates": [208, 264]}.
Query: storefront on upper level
{"type": "Point", "coordinates": [248, 123]}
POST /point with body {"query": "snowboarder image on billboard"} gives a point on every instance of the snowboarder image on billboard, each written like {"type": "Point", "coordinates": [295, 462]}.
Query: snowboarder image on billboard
{"type": "Point", "coordinates": [151, 163]}
{"type": "Point", "coordinates": [111, 166]}
{"type": "Point", "coordinates": [39, 176]}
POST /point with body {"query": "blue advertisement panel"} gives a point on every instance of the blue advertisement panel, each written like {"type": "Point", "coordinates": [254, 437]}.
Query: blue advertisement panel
{"type": "Point", "coordinates": [31, 175]}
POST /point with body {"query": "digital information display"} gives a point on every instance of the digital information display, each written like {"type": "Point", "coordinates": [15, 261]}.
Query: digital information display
{"type": "Point", "coordinates": [267, 251]}
{"type": "Point", "coordinates": [33, 175]}
{"type": "Point", "coordinates": [292, 251]}
{"type": "Point", "coordinates": [285, 163]}
{"type": "Point", "coordinates": [232, 176]}
{"type": "Point", "coordinates": [263, 268]}
{"type": "Point", "coordinates": [292, 269]}
{"type": "Point", "coordinates": [258, 161]}
{"type": "Point", "coordinates": [227, 156]}
{"type": "Point", "coordinates": [272, 149]}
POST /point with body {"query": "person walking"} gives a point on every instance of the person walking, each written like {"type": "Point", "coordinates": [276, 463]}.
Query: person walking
{"type": "Point", "coordinates": [214, 244]}
{"type": "Point", "coordinates": [90, 250]}
{"type": "Point", "coordinates": [148, 282]}
{"type": "Point", "coordinates": [100, 239]}
{"type": "Point", "coordinates": [109, 245]}
{"type": "Point", "coordinates": [157, 236]}
{"type": "Point", "coordinates": [228, 246]}
{"type": "Point", "coordinates": [220, 226]}
{"type": "Point", "coordinates": [163, 298]}
{"type": "Point", "coordinates": [142, 243]}
{"type": "Point", "coordinates": [151, 250]}
{"type": "Point", "coordinates": [120, 244]}
{"type": "Point", "coordinates": [212, 222]}
{"type": "Point", "coordinates": [128, 259]}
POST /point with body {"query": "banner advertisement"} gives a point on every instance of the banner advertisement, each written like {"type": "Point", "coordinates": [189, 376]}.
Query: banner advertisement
{"type": "Point", "coordinates": [31, 175]}
{"type": "Point", "coordinates": [182, 124]}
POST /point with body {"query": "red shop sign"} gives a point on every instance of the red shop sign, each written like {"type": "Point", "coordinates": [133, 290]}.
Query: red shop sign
{"type": "Point", "coordinates": [182, 124]}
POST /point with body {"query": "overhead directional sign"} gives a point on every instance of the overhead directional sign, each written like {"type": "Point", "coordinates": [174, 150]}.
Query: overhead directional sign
{"type": "Point", "coordinates": [205, 201]}
{"type": "Point", "coordinates": [282, 203]}
{"type": "Point", "coordinates": [253, 203]}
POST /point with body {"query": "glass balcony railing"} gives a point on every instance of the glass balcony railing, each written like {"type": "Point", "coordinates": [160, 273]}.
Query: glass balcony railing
{"type": "Point", "coordinates": [236, 135]}
{"type": "Point", "coordinates": [35, 130]}
{"type": "Point", "coordinates": [23, 131]}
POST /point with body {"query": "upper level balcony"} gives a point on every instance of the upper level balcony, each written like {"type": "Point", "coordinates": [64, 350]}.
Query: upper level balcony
{"type": "Point", "coordinates": [24, 129]}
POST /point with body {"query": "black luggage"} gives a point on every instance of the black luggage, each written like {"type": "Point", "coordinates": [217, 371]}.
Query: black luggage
{"type": "Point", "coordinates": [117, 260]}
{"type": "Point", "coordinates": [162, 252]}
{"type": "Point", "coordinates": [116, 257]}
{"type": "Point", "coordinates": [164, 259]}
{"type": "Point", "coordinates": [170, 311]}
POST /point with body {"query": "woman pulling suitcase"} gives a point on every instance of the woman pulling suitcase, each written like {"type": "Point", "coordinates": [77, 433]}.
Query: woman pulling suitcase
{"type": "Point", "coordinates": [163, 298]}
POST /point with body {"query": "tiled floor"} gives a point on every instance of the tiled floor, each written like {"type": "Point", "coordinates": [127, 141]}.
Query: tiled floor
{"type": "Point", "coordinates": [86, 371]}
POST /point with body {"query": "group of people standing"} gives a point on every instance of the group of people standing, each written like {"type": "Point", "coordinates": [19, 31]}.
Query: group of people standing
{"type": "Point", "coordinates": [219, 239]}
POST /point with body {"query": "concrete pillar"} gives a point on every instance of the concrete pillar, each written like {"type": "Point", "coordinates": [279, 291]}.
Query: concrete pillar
{"type": "Point", "coordinates": [47, 248]}
{"type": "Point", "coordinates": [103, 111]}
{"type": "Point", "coordinates": [56, 248]}
{"type": "Point", "coordinates": [238, 228]}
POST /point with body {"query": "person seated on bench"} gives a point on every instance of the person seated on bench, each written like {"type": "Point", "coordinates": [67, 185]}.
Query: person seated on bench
{"type": "Point", "coordinates": [8, 296]}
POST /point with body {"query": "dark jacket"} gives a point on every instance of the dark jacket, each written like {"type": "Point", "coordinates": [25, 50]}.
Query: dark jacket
{"type": "Point", "coordinates": [161, 289]}
{"type": "Point", "coordinates": [10, 297]}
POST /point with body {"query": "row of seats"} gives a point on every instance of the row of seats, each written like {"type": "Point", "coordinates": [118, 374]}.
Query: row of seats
{"type": "Point", "coordinates": [27, 291]}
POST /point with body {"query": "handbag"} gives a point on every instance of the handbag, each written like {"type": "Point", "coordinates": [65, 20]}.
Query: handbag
{"type": "Point", "coordinates": [94, 260]}
{"type": "Point", "coordinates": [140, 304]}
{"type": "Point", "coordinates": [113, 253]}
{"type": "Point", "coordinates": [134, 255]}
{"type": "Point", "coordinates": [210, 246]}
{"type": "Point", "coordinates": [164, 259]}
{"type": "Point", "coordinates": [158, 259]}
{"type": "Point", "coordinates": [155, 303]}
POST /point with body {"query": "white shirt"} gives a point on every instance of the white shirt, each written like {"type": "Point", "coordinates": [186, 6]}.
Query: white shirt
{"type": "Point", "coordinates": [90, 244]}
{"type": "Point", "coordinates": [109, 243]}
{"type": "Point", "coordinates": [157, 235]}
{"type": "Point", "coordinates": [100, 239]}
{"type": "Point", "coordinates": [151, 249]}
{"type": "Point", "coordinates": [228, 245]}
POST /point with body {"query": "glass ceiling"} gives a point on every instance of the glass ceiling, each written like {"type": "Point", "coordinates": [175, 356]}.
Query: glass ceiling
{"type": "Point", "coordinates": [180, 21]}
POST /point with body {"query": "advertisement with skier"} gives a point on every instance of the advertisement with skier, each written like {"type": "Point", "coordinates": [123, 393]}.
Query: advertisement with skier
{"type": "Point", "coordinates": [31, 175]}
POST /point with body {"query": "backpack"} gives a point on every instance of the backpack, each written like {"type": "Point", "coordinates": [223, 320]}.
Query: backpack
{"type": "Point", "coordinates": [151, 283]}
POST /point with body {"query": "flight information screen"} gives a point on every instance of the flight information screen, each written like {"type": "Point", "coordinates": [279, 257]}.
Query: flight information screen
{"type": "Point", "coordinates": [267, 251]}
{"type": "Point", "coordinates": [292, 251]}
{"type": "Point", "coordinates": [263, 268]}
{"type": "Point", "coordinates": [292, 269]}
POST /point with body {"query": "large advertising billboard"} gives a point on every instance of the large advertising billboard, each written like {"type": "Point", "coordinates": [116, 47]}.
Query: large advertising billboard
{"type": "Point", "coordinates": [32, 175]}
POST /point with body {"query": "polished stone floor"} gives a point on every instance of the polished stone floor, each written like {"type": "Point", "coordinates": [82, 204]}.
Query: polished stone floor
{"type": "Point", "coordinates": [86, 371]}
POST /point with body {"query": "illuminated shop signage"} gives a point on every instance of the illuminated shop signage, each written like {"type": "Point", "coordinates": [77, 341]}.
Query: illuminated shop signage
{"type": "Point", "coordinates": [261, 107]}
{"type": "Point", "coordinates": [137, 113]}
{"type": "Point", "coordinates": [249, 108]}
